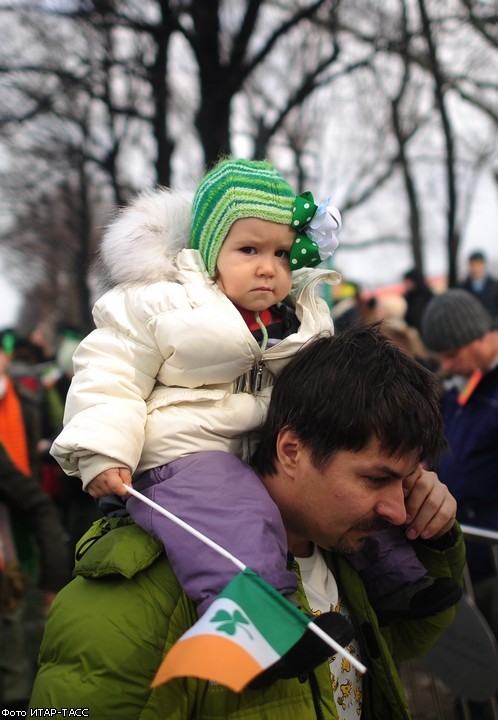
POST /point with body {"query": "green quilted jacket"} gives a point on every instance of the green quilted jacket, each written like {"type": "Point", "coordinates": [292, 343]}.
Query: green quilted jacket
{"type": "Point", "coordinates": [109, 629]}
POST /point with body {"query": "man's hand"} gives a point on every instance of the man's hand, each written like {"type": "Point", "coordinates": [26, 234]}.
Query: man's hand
{"type": "Point", "coordinates": [110, 482]}
{"type": "Point", "coordinates": [430, 507]}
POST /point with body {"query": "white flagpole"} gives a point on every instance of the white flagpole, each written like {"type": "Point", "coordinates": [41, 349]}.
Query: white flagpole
{"type": "Point", "coordinates": [221, 550]}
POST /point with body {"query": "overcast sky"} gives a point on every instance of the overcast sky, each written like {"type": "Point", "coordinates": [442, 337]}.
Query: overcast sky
{"type": "Point", "coordinates": [385, 265]}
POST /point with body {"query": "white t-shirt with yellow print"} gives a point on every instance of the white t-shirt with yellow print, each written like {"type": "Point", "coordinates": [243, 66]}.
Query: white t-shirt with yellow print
{"type": "Point", "coordinates": [323, 596]}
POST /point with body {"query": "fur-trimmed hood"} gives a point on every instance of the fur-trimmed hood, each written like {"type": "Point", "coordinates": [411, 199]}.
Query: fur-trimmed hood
{"type": "Point", "coordinates": [143, 239]}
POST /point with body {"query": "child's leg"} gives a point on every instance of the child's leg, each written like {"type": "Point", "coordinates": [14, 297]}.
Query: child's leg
{"type": "Point", "coordinates": [222, 497]}
{"type": "Point", "coordinates": [387, 562]}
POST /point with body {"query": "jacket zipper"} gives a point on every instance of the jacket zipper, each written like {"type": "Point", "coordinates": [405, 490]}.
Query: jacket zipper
{"type": "Point", "coordinates": [252, 380]}
{"type": "Point", "coordinates": [257, 377]}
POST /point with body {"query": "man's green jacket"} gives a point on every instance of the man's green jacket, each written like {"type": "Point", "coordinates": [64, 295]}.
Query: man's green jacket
{"type": "Point", "coordinates": [109, 629]}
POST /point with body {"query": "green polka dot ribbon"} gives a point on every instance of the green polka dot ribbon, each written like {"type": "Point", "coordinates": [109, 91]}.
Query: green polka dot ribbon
{"type": "Point", "coordinates": [317, 228]}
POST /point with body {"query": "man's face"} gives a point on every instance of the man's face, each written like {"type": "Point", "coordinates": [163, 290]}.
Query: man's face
{"type": "Point", "coordinates": [477, 269]}
{"type": "Point", "coordinates": [339, 507]}
{"type": "Point", "coordinates": [462, 361]}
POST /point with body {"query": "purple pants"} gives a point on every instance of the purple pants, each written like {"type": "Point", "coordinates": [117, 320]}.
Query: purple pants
{"type": "Point", "coordinates": [387, 562]}
{"type": "Point", "coordinates": [219, 495]}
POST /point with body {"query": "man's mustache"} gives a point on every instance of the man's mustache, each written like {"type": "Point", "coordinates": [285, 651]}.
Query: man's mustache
{"type": "Point", "coordinates": [374, 524]}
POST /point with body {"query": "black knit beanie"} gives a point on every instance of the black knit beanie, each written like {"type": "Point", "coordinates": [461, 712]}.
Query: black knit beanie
{"type": "Point", "coordinates": [454, 319]}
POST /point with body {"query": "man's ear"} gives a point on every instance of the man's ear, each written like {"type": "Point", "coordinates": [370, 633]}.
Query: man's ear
{"type": "Point", "coordinates": [288, 448]}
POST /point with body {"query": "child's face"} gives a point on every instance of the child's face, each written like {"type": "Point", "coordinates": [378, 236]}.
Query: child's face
{"type": "Point", "coordinates": [253, 264]}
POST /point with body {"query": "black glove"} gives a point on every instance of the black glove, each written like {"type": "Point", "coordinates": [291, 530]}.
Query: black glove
{"type": "Point", "coordinates": [309, 652]}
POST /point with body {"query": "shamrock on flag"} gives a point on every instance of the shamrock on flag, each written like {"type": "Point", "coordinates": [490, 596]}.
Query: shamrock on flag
{"type": "Point", "coordinates": [245, 630]}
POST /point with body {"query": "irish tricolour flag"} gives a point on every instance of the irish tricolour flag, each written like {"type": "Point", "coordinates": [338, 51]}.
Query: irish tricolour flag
{"type": "Point", "coordinates": [246, 629]}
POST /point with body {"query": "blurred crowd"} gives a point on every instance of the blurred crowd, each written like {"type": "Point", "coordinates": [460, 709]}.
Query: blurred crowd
{"type": "Point", "coordinates": [42, 511]}
{"type": "Point", "coordinates": [401, 308]}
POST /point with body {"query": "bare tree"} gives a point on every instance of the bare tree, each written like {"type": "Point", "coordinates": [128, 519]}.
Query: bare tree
{"type": "Point", "coordinates": [109, 96]}
{"type": "Point", "coordinates": [446, 124]}
{"type": "Point", "coordinates": [422, 48]}
{"type": "Point", "coordinates": [103, 97]}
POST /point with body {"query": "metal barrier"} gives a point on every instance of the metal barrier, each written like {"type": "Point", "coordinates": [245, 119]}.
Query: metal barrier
{"type": "Point", "coordinates": [435, 685]}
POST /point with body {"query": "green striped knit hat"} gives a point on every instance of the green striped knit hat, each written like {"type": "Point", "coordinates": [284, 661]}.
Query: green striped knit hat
{"type": "Point", "coordinates": [233, 190]}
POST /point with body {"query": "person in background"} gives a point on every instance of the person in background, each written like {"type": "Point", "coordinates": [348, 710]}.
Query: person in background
{"type": "Point", "coordinates": [417, 295]}
{"type": "Point", "coordinates": [349, 420]}
{"type": "Point", "coordinates": [77, 508]}
{"type": "Point", "coordinates": [409, 340]}
{"type": "Point", "coordinates": [480, 283]}
{"type": "Point", "coordinates": [42, 337]}
{"type": "Point", "coordinates": [461, 331]}
{"type": "Point", "coordinates": [33, 551]}
{"type": "Point", "coordinates": [21, 395]}
{"type": "Point", "coordinates": [346, 304]}
{"type": "Point", "coordinates": [350, 307]}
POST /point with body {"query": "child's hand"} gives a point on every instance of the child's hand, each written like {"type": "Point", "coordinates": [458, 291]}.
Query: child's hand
{"type": "Point", "coordinates": [110, 482]}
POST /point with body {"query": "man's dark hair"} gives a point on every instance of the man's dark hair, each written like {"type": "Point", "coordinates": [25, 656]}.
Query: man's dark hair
{"type": "Point", "coordinates": [415, 276]}
{"type": "Point", "coordinates": [477, 255]}
{"type": "Point", "coordinates": [340, 391]}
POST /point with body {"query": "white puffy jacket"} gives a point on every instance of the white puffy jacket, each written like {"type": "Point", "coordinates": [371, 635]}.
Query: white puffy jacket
{"type": "Point", "coordinates": [158, 378]}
